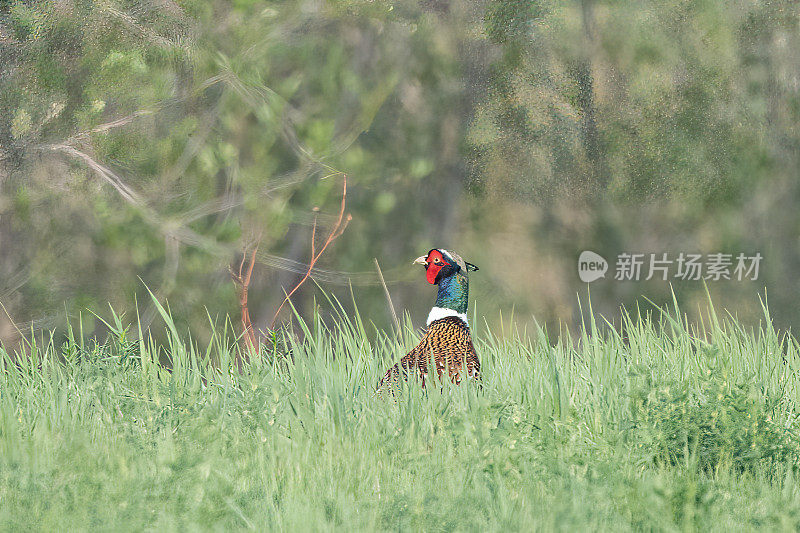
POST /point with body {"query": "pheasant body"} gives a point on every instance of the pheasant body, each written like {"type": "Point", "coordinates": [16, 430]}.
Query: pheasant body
{"type": "Point", "coordinates": [447, 343]}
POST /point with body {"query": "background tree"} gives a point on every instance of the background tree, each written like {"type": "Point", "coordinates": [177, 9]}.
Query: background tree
{"type": "Point", "coordinates": [154, 139]}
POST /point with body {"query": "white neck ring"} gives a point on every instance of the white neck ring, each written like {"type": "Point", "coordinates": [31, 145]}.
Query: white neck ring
{"type": "Point", "coordinates": [440, 312]}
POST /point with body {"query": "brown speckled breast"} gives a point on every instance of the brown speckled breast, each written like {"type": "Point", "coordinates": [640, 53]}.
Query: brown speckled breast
{"type": "Point", "coordinates": [448, 344]}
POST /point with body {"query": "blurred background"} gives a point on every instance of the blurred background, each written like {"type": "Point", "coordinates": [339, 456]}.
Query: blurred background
{"type": "Point", "coordinates": [148, 143]}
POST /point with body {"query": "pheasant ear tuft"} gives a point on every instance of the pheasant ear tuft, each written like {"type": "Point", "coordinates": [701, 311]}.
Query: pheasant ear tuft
{"type": "Point", "coordinates": [471, 267]}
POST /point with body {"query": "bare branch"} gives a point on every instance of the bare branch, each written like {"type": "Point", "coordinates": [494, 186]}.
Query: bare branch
{"type": "Point", "coordinates": [124, 121]}
{"type": "Point", "coordinates": [243, 285]}
{"type": "Point", "coordinates": [335, 232]}
{"type": "Point", "coordinates": [126, 192]}
{"type": "Point", "coordinates": [143, 31]}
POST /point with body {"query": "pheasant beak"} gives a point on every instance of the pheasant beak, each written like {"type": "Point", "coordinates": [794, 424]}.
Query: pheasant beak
{"type": "Point", "coordinates": [421, 260]}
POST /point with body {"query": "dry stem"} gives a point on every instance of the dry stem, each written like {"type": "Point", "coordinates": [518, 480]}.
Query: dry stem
{"type": "Point", "coordinates": [337, 229]}
{"type": "Point", "coordinates": [242, 282]}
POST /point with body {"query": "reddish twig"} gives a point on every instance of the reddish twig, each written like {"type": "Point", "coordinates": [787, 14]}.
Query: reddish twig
{"type": "Point", "coordinates": [243, 284]}
{"type": "Point", "coordinates": [337, 229]}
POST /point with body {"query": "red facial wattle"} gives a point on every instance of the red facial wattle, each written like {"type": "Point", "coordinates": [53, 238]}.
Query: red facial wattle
{"type": "Point", "coordinates": [435, 262]}
{"type": "Point", "coordinates": [432, 271]}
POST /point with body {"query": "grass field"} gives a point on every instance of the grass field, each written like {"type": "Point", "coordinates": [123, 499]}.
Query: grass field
{"type": "Point", "coordinates": [659, 427]}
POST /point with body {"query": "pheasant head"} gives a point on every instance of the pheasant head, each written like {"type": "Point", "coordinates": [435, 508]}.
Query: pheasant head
{"type": "Point", "coordinates": [448, 271]}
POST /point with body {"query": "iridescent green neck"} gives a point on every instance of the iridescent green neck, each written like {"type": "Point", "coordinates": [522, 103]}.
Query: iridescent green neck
{"type": "Point", "coordinates": [454, 293]}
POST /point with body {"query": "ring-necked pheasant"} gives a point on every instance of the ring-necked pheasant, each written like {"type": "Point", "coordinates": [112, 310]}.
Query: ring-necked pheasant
{"type": "Point", "coordinates": [446, 341]}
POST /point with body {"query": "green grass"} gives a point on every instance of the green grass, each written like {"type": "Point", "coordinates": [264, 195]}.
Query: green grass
{"type": "Point", "coordinates": [659, 427]}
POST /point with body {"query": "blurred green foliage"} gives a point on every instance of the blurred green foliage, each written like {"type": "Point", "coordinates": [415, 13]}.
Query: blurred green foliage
{"type": "Point", "coordinates": [155, 140]}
